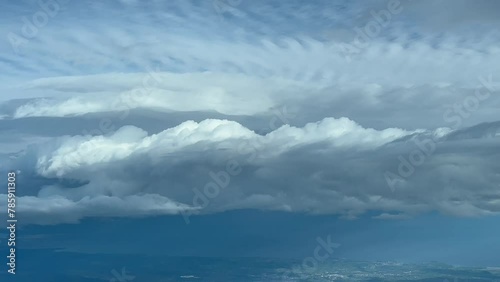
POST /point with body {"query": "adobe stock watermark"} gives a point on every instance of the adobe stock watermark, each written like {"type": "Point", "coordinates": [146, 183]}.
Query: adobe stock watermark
{"type": "Point", "coordinates": [32, 25]}
{"type": "Point", "coordinates": [380, 20]}
{"type": "Point", "coordinates": [221, 180]}
{"type": "Point", "coordinates": [323, 251]}
{"type": "Point", "coordinates": [122, 276]}
{"type": "Point", "coordinates": [427, 146]}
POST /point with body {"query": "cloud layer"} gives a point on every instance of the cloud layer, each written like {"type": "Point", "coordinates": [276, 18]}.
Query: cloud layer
{"type": "Point", "coordinates": [193, 108]}
{"type": "Point", "coordinates": [332, 166]}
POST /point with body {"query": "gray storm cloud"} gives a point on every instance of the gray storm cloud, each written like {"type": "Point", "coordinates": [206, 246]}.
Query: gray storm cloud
{"type": "Point", "coordinates": [185, 109]}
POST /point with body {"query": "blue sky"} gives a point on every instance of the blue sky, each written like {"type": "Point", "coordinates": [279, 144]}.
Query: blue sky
{"type": "Point", "coordinates": [376, 123]}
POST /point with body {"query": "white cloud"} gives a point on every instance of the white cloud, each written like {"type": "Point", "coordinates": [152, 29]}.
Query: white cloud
{"type": "Point", "coordinates": [332, 166]}
{"type": "Point", "coordinates": [87, 151]}
{"type": "Point", "coordinates": [177, 57]}
{"type": "Point", "coordinates": [57, 209]}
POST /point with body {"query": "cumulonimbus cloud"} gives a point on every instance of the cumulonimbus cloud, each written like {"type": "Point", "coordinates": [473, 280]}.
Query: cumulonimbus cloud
{"type": "Point", "coordinates": [331, 166]}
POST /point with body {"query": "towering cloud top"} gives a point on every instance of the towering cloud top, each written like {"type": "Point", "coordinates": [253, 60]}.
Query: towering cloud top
{"type": "Point", "coordinates": [127, 108]}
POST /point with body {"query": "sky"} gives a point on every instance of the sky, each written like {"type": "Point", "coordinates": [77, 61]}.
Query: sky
{"type": "Point", "coordinates": [219, 121]}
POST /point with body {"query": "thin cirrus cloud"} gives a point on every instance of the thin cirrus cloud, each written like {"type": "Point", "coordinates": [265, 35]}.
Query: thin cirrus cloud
{"type": "Point", "coordinates": [255, 78]}
{"type": "Point", "coordinates": [352, 118]}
